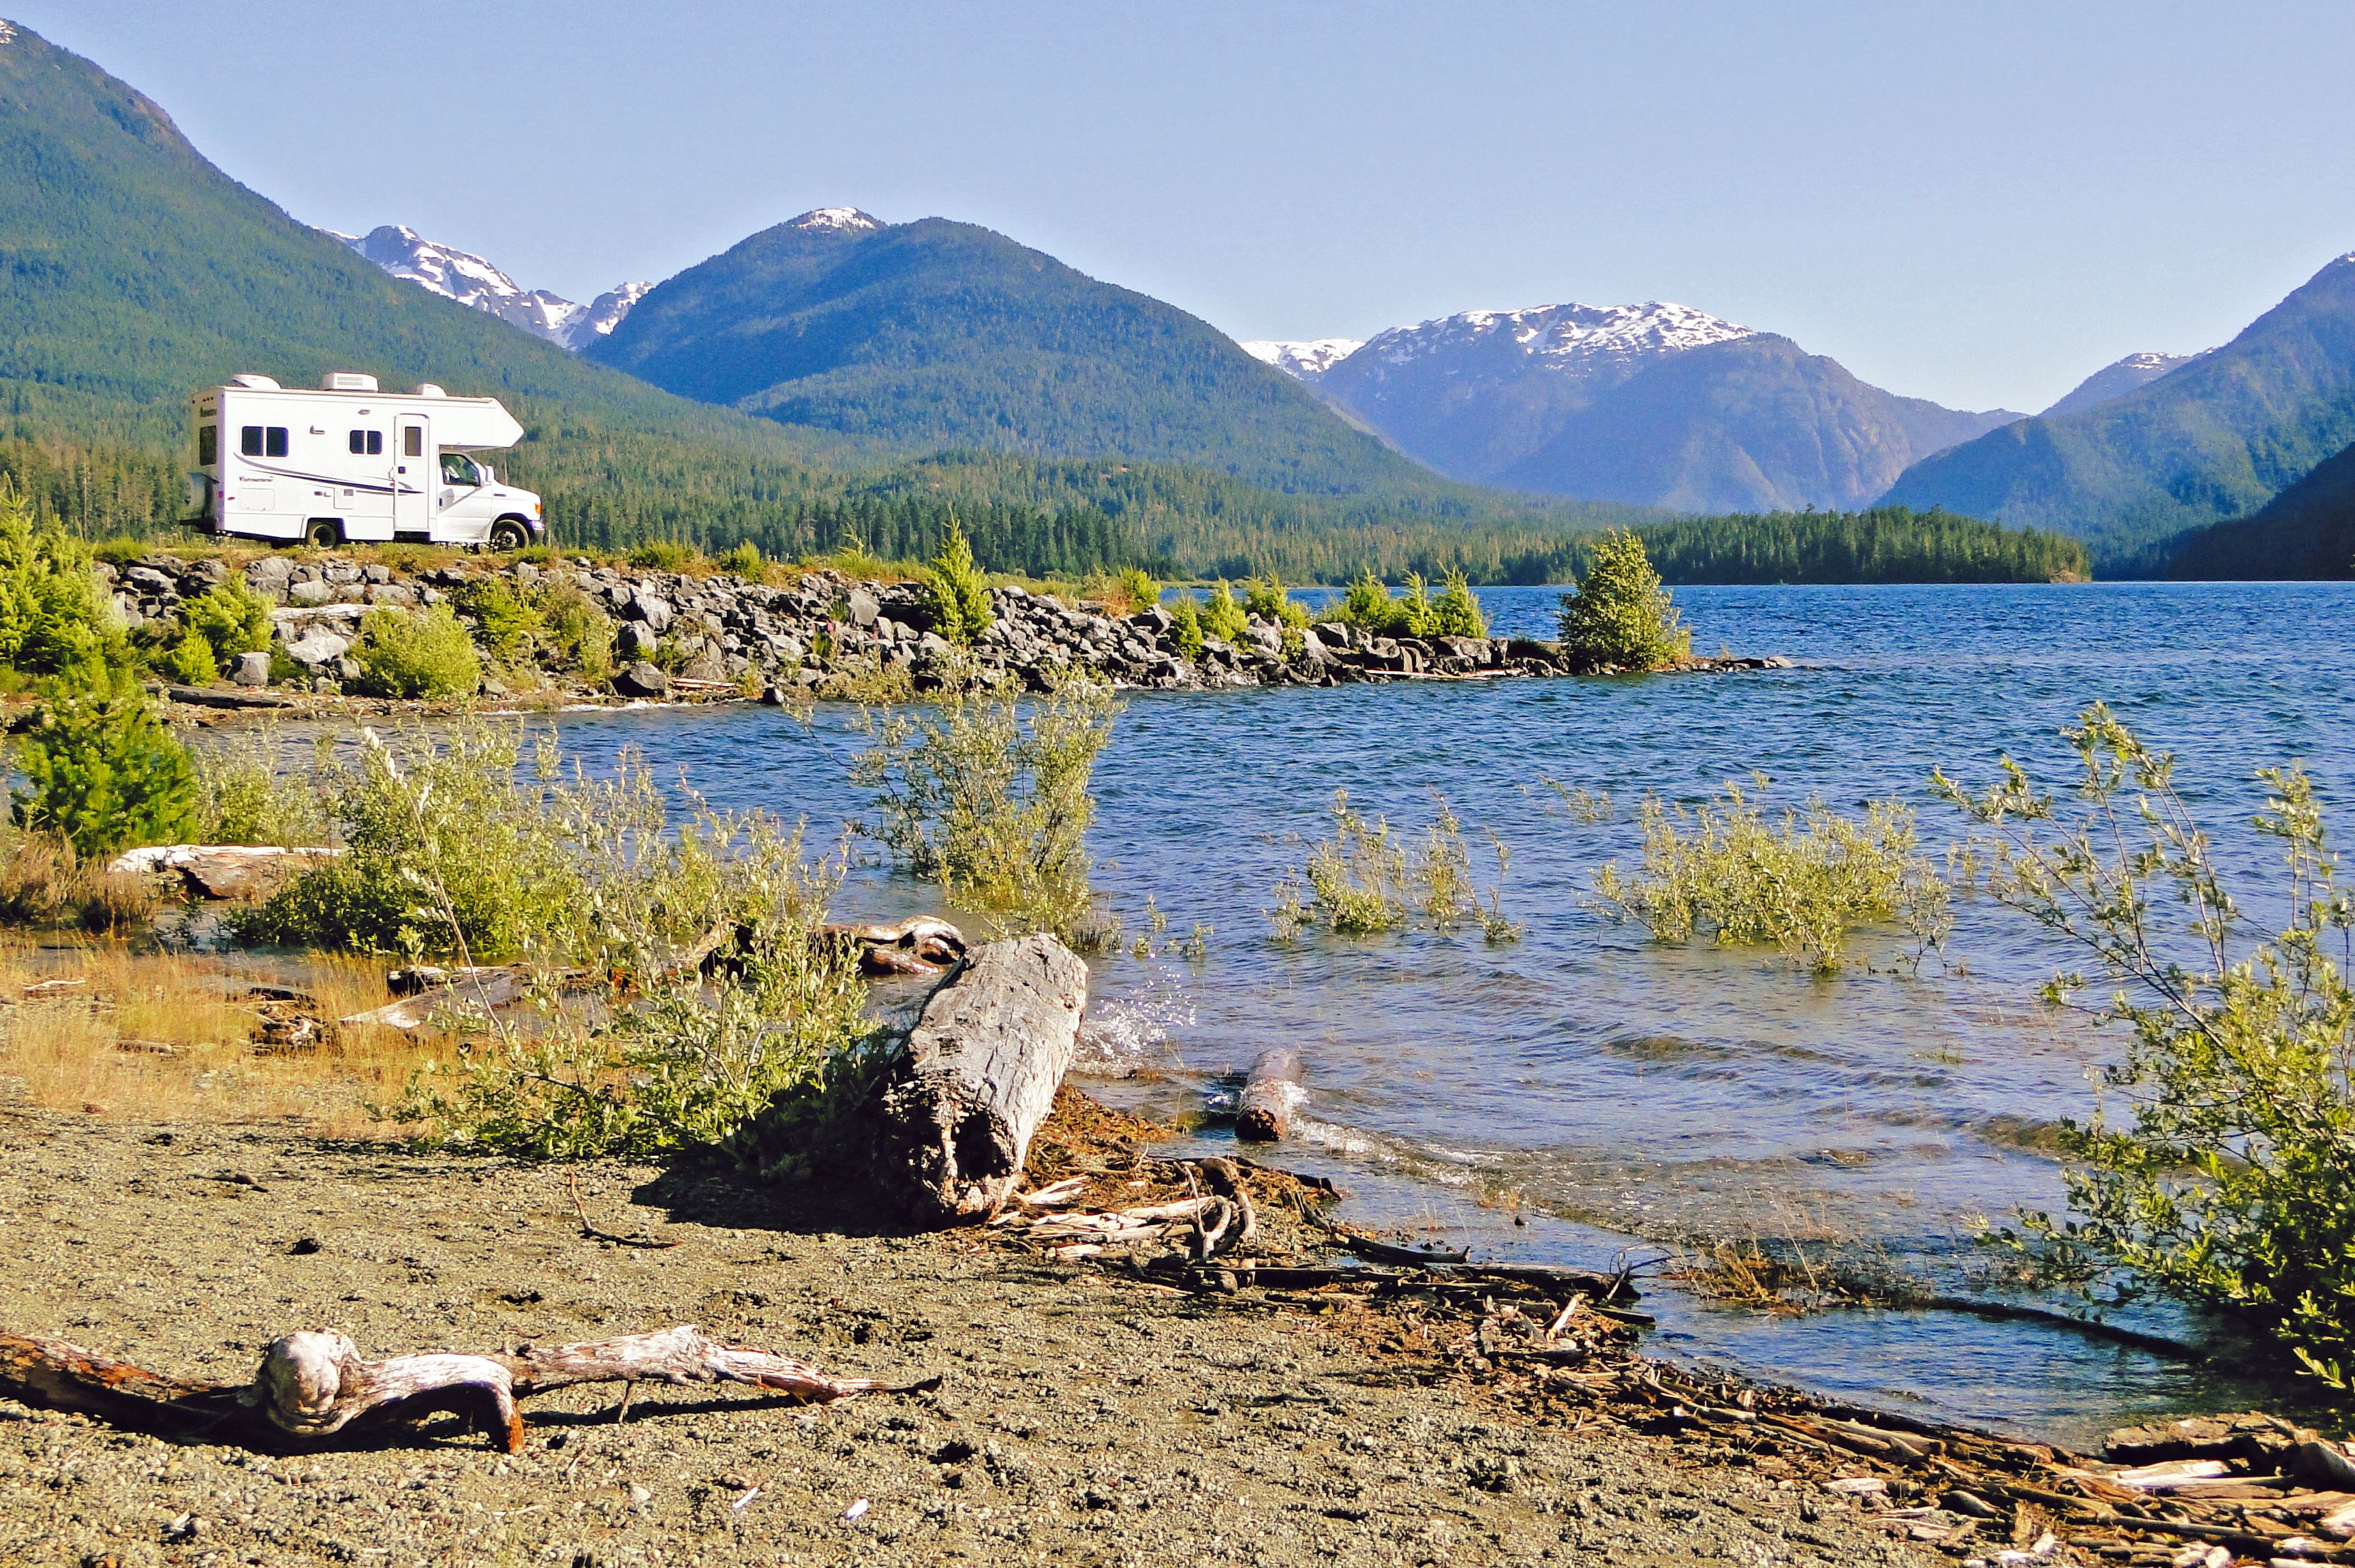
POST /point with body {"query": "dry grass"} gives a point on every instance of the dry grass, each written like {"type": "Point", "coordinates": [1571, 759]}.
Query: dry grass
{"type": "Point", "coordinates": [160, 1037]}
{"type": "Point", "coordinates": [43, 882]}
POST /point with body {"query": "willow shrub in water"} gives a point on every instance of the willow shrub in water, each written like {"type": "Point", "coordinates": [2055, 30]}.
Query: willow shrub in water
{"type": "Point", "coordinates": [989, 794]}
{"type": "Point", "coordinates": [1801, 882]}
{"type": "Point", "coordinates": [1365, 878]}
{"type": "Point", "coordinates": [2233, 1182]}
{"type": "Point", "coordinates": [1618, 613]}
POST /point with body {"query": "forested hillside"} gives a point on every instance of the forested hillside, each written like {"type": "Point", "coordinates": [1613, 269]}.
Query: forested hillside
{"type": "Point", "coordinates": [2306, 532]}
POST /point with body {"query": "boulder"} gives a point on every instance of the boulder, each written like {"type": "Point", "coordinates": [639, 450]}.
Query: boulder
{"type": "Point", "coordinates": [864, 609]}
{"type": "Point", "coordinates": [318, 646]}
{"type": "Point", "coordinates": [313, 592]}
{"type": "Point", "coordinates": [652, 608]}
{"type": "Point", "coordinates": [274, 569]}
{"type": "Point", "coordinates": [250, 670]}
{"type": "Point", "coordinates": [643, 680]}
{"type": "Point", "coordinates": [637, 640]}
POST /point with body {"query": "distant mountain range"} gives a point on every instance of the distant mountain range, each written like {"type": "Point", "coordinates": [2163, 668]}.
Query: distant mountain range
{"type": "Point", "coordinates": [2214, 437]}
{"type": "Point", "coordinates": [2116, 379]}
{"type": "Point", "coordinates": [465, 277]}
{"type": "Point", "coordinates": [1656, 404]}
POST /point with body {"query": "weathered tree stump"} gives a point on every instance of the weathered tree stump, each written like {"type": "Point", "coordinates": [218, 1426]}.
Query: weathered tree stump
{"type": "Point", "coordinates": [978, 1076]}
{"type": "Point", "coordinates": [1270, 1094]}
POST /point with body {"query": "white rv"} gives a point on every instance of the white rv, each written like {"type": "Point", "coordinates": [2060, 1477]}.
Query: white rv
{"type": "Point", "coordinates": [351, 462]}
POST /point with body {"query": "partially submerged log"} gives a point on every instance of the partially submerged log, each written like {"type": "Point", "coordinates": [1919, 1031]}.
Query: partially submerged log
{"type": "Point", "coordinates": [317, 1385]}
{"type": "Point", "coordinates": [978, 1075]}
{"type": "Point", "coordinates": [1270, 1094]}
{"type": "Point", "coordinates": [222, 870]}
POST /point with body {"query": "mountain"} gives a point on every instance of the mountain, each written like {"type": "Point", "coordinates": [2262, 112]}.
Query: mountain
{"type": "Point", "coordinates": [2306, 532]}
{"type": "Point", "coordinates": [2217, 438]}
{"type": "Point", "coordinates": [1303, 361]}
{"type": "Point", "coordinates": [941, 335]}
{"type": "Point", "coordinates": [465, 277]}
{"type": "Point", "coordinates": [1654, 404]}
{"type": "Point", "coordinates": [2118, 379]}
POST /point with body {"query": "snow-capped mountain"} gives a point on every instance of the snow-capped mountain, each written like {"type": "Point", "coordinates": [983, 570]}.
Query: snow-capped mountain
{"type": "Point", "coordinates": [467, 278]}
{"type": "Point", "coordinates": [847, 219]}
{"type": "Point", "coordinates": [2115, 380]}
{"type": "Point", "coordinates": [1305, 359]}
{"type": "Point", "coordinates": [1656, 403]}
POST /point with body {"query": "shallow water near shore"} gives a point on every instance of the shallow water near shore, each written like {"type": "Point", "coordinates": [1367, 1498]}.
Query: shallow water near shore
{"type": "Point", "coordinates": [1616, 1093]}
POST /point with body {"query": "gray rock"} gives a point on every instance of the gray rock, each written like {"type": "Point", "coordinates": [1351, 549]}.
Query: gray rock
{"type": "Point", "coordinates": [250, 670]}
{"type": "Point", "coordinates": [312, 592]}
{"type": "Point", "coordinates": [637, 641]}
{"type": "Point", "coordinates": [706, 665]}
{"type": "Point", "coordinates": [642, 680]}
{"type": "Point", "coordinates": [269, 568]}
{"type": "Point", "coordinates": [652, 608]}
{"type": "Point", "coordinates": [318, 646]}
{"type": "Point", "coordinates": [863, 608]}
{"type": "Point", "coordinates": [147, 580]}
{"type": "Point", "coordinates": [934, 646]}
{"type": "Point", "coordinates": [391, 593]}
{"type": "Point", "coordinates": [375, 573]}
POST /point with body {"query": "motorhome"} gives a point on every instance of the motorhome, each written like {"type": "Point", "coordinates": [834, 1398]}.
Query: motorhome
{"type": "Point", "coordinates": [349, 461]}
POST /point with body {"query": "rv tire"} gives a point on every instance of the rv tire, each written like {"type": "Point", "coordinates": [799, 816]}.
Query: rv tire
{"type": "Point", "coordinates": [323, 533]}
{"type": "Point", "coordinates": [509, 533]}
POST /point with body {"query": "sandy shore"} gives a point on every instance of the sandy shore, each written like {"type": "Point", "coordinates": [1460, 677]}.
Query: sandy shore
{"type": "Point", "coordinates": [1082, 1418]}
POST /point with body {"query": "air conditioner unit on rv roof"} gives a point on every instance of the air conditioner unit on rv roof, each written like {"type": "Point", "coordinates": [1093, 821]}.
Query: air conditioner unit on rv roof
{"type": "Point", "coordinates": [349, 381]}
{"type": "Point", "coordinates": [255, 383]}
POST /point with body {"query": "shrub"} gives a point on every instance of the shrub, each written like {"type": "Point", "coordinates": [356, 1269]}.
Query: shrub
{"type": "Point", "coordinates": [231, 618]}
{"type": "Point", "coordinates": [961, 610]}
{"type": "Point", "coordinates": [43, 881]}
{"type": "Point", "coordinates": [1367, 605]}
{"type": "Point", "coordinates": [1222, 618]}
{"type": "Point", "coordinates": [1619, 614]}
{"type": "Point", "coordinates": [993, 802]}
{"type": "Point", "coordinates": [1802, 883]}
{"type": "Point", "coordinates": [1271, 600]}
{"type": "Point", "coordinates": [1364, 879]}
{"type": "Point", "coordinates": [54, 613]}
{"type": "Point", "coordinates": [1139, 587]}
{"type": "Point", "coordinates": [506, 624]}
{"type": "Point", "coordinates": [408, 654]}
{"type": "Point", "coordinates": [2233, 1186]}
{"type": "Point", "coordinates": [1457, 613]}
{"type": "Point", "coordinates": [576, 632]}
{"type": "Point", "coordinates": [190, 660]}
{"type": "Point", "coordinates": [100, 770]}
{"type": "Point", "coordinates": [1186, 622]}
{"type": "Point", "coordinates": [245, 796]}
{"type": "Point", "coordinates": [665, 555]}
{"type": "Point", "coordinates": [742, 559]}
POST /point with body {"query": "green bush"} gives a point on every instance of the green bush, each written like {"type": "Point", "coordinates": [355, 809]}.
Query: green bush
{"type": "Point", "coordinates": [577, 632]}
{"type": "Point", "coordinates": [231, 618]}
{"type": "Point", "coordinates": [1271, 600]}
{"type": "Point", "coordinates": [1802, 883]}
{"type": "Point", "coordinates": [743, 559]}
{"type": "Point", "coordinates": [190, 660]}
{"type": "Point", "coordinates": [1619, 614]}
{"type": "Point", "coordinates": [990, 798]}
{"type": "Point", "coordinates": [1365, 878]}
{"type": "Point", "coordinates": [55, 614]}
{"type": "Point", "coordinates": [665, 555]}
{"type": "Point", "coordinates": [407, 654]}
{"type": "Point", "coordinates": [100, 769]}
{"type": "Point", "coordinates": [507, 624]}
{"type": "Point", "coordinates": [1186, 621]}
{"type": "Point", "coordinates": [1139, 587]}
{"type": "Point", "coordinates": [1222, 618]}
{"type": "Point", "coordinates": [244, 795]}
{"type": "Point", "coordinates": [2233, 1184]}
{"type": "Point", "coordinates": [961, 610]}
{"type": "Point", "coordinates": [1457, 613]}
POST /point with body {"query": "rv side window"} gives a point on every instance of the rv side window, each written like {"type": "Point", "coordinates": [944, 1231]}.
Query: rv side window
{"type": "Point", "coordinates": [207, 445]}
{"type": "Point", "coordinates": [248, 440]}
{"type": "Point", "coordinates": [412, 441]}
{"type": "Point", "coordinates": [368, 443]}
{"type": "Point", "coordinates": [275, 444]}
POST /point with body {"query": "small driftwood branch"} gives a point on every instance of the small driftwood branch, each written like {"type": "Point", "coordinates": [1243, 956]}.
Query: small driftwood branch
{"type": "Point", "coordinates": [316, 1385]}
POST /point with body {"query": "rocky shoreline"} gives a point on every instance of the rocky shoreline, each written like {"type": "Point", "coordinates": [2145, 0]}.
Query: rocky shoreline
{"type": "Point", "coordinates": [819, 635]}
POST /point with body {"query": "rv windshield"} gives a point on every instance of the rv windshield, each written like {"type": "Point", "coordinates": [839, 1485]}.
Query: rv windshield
{"type": "Point", "coordinates": [457, 468]}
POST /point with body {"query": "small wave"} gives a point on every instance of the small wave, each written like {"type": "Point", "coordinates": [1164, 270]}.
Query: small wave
{"type": "Point", "coordinates": [1129, 1034]}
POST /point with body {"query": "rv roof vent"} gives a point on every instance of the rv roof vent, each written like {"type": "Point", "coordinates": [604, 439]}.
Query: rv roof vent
{"type": "Point", "coordinates": [428, 389]}
{"type": "Point", "coordinates": [257, 383]}
{"type": "Point", "coordinates": [349, 381]}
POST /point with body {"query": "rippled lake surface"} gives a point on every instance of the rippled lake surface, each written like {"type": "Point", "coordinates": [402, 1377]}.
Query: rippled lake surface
{"type": "Point", "coordinates": [1615, 1092]}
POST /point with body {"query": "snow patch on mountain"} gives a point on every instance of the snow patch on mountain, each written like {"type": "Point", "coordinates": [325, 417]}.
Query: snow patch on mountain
{"type": "Point", "coordinates": [2119, 377]}
{"type": "Point", "coordinates": [1564, 335]}
{"type": "Point", "coordinates": [844, 220]}
{"type": "Point", "coordinates": [470, 280]}
{"type": "Point", "coordinates": [1304, 359]}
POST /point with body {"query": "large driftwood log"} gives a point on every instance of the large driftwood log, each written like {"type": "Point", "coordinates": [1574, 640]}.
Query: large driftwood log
{"type": "Point", "coordinates": [317, 1385]}
{"type": "Point", "coordinates": [1270, 1094]}
{"type": "Point", "coordinates": [978, 1076]}
{"type": "Point", "coordinates": [222, 870]}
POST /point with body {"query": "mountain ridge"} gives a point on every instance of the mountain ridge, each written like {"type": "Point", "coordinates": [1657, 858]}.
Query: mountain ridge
{"type": "Point", "coordinates": [470, 280]}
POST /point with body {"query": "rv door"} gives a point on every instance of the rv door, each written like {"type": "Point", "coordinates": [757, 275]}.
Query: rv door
{"type": "Point", "coordinates": [412, 477]}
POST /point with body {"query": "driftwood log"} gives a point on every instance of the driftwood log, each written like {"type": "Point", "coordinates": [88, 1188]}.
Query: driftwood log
{"type": "Point", "coordinates": [1271, 1092]}
{"type": "Point", "coordinates": [221, 870]}
{"type": "Point", "coordinates": [312, 1386]}
{"type": "Point", "coordinates": [977, 1077]}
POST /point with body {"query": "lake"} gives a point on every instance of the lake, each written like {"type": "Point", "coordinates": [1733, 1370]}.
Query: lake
{"type": "Point", "coordinates": [1612, 1092]}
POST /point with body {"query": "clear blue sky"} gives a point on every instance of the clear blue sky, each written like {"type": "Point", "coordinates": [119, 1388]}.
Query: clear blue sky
{"type": "Point", "coordinates": [1980, 203]}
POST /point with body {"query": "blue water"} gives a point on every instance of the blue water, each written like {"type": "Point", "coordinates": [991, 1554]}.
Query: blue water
{"type": "Point", "coordinates": [1613, 1092]}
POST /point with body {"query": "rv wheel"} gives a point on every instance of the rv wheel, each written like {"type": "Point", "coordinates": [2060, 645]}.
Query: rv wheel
{"type": "Point", "coordinates": [509, 534]}
{"type": "Point", "coordinates": [323, 533]}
